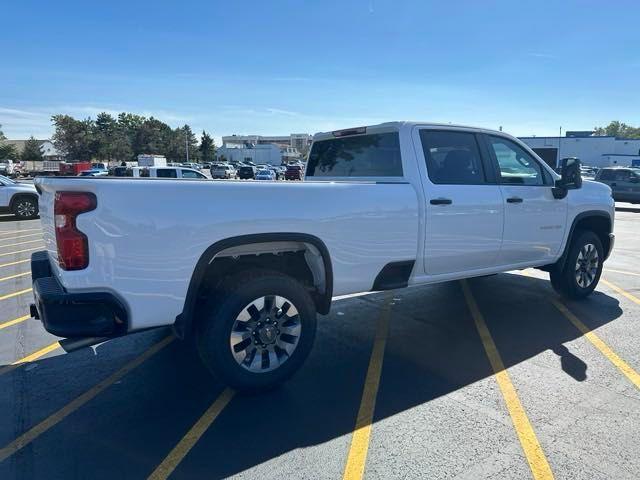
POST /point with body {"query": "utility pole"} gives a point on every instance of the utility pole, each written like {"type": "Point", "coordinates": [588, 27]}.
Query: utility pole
{"type": "Point", "coordinates": [559, 142]}
{"type": "Point", "coordinates": [186, 142]}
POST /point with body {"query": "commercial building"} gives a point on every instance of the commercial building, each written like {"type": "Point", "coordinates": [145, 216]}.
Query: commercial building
{"type": "Point", "coordinates": [299, 141]}
{"type": "Point", "coordinates": [269, 154]}
{"type": "Point", "coordinates": [591, 150]}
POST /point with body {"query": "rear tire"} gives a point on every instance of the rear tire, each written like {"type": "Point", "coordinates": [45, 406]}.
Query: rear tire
{"type": "Point", "coordinates": [247, 335]}
{"type": "Point", "coordinates": [582, 267]}
{"type": "Point", "coordinates": [25, 208]}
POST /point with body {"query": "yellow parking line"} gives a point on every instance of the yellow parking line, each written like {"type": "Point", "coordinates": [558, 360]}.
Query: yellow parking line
{"type": "Point", "coordinates": [622, 271]}
{"type": "Point", "coordinates": [55, 418]}
{"type": "Point", "coordinates": [20, 251]}
{"type": "Point", "coordinates": [183, 447]}
{"type": "Point", "coordinates": [22, 243]}
{"type": "Point", "coordinates": [21, 231]}
{"type": "Point", "coordinates": [356, 461]}
{"type": "Point", "coordinates": [528, 440]}
{"type": "Point", "coordinates": [15, 263]}
{"type": "Point", "coordinates": [15, 294]}
{"type": "Point", "coordinates": [22, 236]}
{"type": "Point", "coordinates": [620, 364]}
{"type": "Point", "coordinates": [30, 358]}
{"type": "Point", "coordinates": [14, 321]}
{"type": "Point", "coordinates": [17, 275]}
{"type": "Point", "coordinates": [622, 292]}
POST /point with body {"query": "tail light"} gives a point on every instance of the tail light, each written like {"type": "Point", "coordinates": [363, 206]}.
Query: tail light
{"type": "Point", "coordinates": [73, 246]}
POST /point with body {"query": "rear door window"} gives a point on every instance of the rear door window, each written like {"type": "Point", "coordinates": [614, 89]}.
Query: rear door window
{"type": "Point", "coordinates": [606, 175]}
{"type": "Point", "coordinates": [622, 176]}
{"type": "Point", "coordinates": [373, 155]}
{"type": "Point", "coordinates": [453, 158]}
{"type": "Point", "coordinates": [166, 173]}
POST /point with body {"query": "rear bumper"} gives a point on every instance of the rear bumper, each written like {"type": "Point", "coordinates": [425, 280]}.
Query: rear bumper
{"type": "Point", "coordinates": [73, 314]}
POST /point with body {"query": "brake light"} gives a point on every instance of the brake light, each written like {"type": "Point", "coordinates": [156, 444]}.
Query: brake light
{"type": "Point", "coordinates": [349, 131]}
{"type": "Point", "coordinates": [73, 246]}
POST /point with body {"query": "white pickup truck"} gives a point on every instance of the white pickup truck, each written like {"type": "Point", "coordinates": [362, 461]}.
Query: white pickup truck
{"type": "Point", "coordinates": [383, 207]}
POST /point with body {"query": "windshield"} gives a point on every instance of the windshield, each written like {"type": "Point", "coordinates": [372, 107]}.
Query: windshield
{"type": "Point", "coordinates": [5, 180]}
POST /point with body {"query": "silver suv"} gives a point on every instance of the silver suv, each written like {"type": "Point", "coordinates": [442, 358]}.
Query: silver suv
{"type": "Point", "coordinates": [624, 183]}
{"type": "Point", "coordinates": [21, 199]}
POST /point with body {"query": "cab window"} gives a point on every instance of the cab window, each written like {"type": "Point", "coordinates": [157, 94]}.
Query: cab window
{"type": "Point", "coordinates": [516, 166]}
{"type": "Point", "coordinates": [190, 174]}
{"type": "Point", "coordinates": [453, 158]}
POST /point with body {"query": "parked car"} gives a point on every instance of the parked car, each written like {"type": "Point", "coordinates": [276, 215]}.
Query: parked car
{"type": "Point", "coordinates": [294, 172]}
{"type": "Point", "coordinates": [246, 172]}
{"type": "Point", "coordinates": [94, 172]}
{"type": "Point", "coordinates": [192, 165]}
{"type": "Point", "coordinates": [454, 202]}
{"type": "Point", "coordinates": [223, 170]}
{"type": "Point", "coordinates": [20, 199]}
{"type": "Point", "coordinates": [624, 183]}
{"type": "Point", "coordinates": [278, 172]}
{"type": "Point", "coordinates": [266, 174]}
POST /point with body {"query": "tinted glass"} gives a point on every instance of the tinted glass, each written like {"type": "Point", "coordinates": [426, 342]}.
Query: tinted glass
{"type": "Point", "coordinates": [622, 175]}
{"type": "Point", "coordinates": [166, 173]}
{"type": "Point", "coordinates": [376, 155]}
{"type": "Point", "coordinates": [452, 157]}
{"type": "Point", "coordinates": [516, 165]}
{"type": "Point", "coordinates": [188, 174]}
{"type": "Point", "coordinates": [606, 174]}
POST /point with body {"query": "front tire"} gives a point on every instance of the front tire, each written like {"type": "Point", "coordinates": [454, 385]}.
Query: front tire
{"type": "Point", "coordinates": [25, 208]}
{"type": "Point", "coordinates": [257, 331]}
{"type": "Point", "coordinates": [582, 268]}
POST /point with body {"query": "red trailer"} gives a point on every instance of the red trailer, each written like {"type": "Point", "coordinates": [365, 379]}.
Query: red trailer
{"type": "Point", "coordinates": [74, 168]}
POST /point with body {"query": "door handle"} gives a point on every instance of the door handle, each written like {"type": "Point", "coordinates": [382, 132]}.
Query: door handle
{"type": "Point", "coordinates": [440, 201]}
{"type": "Point", "coordinates": [514, 200]}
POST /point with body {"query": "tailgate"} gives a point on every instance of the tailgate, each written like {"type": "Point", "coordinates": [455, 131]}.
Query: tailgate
{"type": "Point", "coordinates": [46, 191]}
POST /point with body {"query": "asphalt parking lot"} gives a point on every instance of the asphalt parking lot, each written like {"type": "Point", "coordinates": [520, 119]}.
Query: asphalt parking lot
{"type": "Point", "coordinates": [493, 377]}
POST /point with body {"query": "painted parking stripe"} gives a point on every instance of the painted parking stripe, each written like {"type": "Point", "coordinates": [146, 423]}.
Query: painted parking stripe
{"type": "Point", "coordinates": [620, 364]}
{"type": "Point", "coordinates": [11, 232]}
{"type": "Point", "coordinates": [30, 435]}
{"type": "Point", "coordinates": [622, 271]}
{"type": "Point", "coordinates": [21, 236]}
{"type": "Point", "coordinates": [15, 294]}
{"type": "Point", "coordinates": [528, 440]}
{"type": "Point", "coordinates": [15, 321]}
{"type": "Point", "coordinates": [621, 291]}
{"type": "Point", "coordinates": [30, 358]}
{"type": "Point", "coordinates": [20, 251]}
{"type": "Point", "coordinates": [15, 263]}
{"type": "Point", "coordinates": [357, 458]}
{"type": "Point", "coordinates": [17, 275]}
{"type": "Point", "coordinates": [38, 240]}
{"type": "Point", "coordinates": [187, 442]}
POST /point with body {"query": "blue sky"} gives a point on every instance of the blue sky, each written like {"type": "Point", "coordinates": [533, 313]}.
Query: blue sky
{"type": "Point", "coordinates": [277, 67]}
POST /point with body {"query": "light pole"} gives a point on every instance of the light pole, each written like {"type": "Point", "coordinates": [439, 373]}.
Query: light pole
{"type": "Point", "coordinates": [186, 143]}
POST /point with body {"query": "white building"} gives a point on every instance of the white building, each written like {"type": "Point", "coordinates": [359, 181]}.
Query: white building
{"type": "Point", "coordinates": [591, 150]}
{"type": "Point", "coordinates": [49, 151]}
{"type": "Point", "coordinates": [269, 154]}
{"type": "Point", "coordinates": [299, 141]}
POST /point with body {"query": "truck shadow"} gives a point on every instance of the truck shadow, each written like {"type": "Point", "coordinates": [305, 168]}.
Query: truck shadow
{"type": "Point", "coordinates": [433, 349]}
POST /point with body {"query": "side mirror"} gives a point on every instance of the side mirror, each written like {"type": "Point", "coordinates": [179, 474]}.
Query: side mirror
{"type": "Point", "coordinates": [635, 179]}
{"type": "Point", "coordinates": [570, 177]}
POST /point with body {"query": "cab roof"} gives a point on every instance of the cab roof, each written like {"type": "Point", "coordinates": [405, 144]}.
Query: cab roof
{"type": "Point", "coordinates": [396, 126]}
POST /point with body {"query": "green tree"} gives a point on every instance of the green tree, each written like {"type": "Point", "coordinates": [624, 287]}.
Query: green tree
{"type": "Point", "coordinates": [6, 150]}
{"type": "Point", "coordinates": [31, 151]}
{"type": "Point", "coordinates": [74, 138]}
{"type": "Point", "coordinates": [618, 129]}
{"type": "Point", "coordinates": [182, 139]}
{"type": "Point", "coordinates": [207, 148]}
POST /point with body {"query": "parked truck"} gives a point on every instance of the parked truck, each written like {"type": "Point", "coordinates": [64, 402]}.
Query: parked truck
{"type": "Point", "coordinates": [383, 207]}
